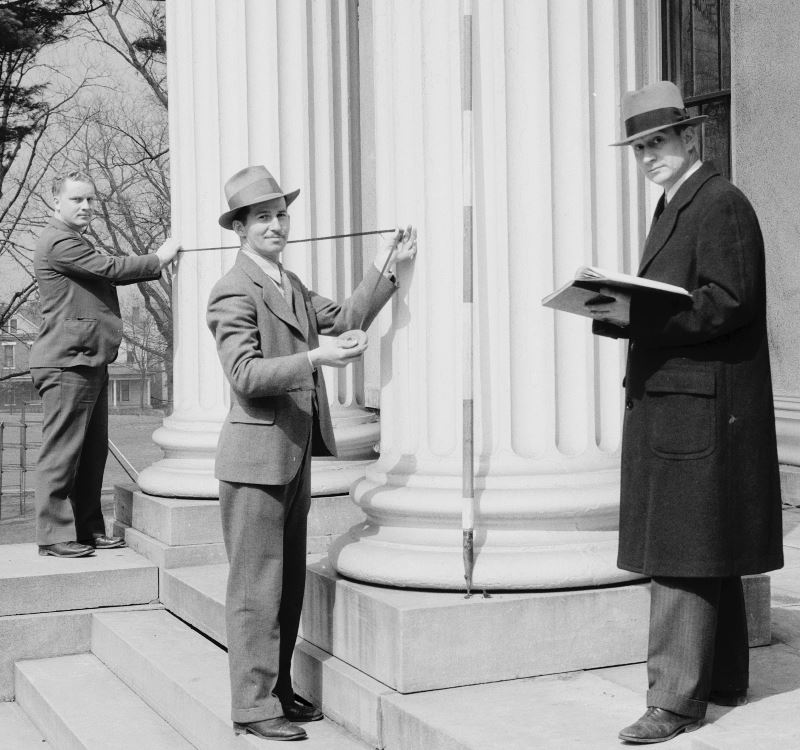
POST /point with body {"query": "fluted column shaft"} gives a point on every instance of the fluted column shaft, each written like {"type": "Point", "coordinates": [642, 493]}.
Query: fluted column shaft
{"type": "Point", "coordinates": [256, 82]}
{"type": "Point", "coordinates": [547, 199]}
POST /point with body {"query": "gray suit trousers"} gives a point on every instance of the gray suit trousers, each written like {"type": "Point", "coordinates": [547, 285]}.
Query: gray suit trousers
{"type": "Point", "coordinates": [698, 642]}
{"type": "Point", "coordinates": [264, 528]}
{"type": "Point", "coordinates": [72, 459]}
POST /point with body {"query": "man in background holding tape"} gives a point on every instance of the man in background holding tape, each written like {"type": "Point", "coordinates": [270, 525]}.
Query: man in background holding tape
{"type": "Point", "coordinates": [79, 337]}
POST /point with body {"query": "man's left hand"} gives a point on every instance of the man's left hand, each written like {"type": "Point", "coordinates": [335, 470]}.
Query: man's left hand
{"type": "Point", "coordinates": [401, 249]}
{"type": "Point", "coordinates": [615, 307]}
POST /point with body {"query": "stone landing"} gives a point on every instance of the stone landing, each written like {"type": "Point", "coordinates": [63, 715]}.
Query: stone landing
{"type": "Point", "coordinates": [364, 650]}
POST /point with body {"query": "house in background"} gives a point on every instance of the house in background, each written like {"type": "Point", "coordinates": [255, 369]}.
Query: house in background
{"type": "Point", "coordinates": [17, 335]}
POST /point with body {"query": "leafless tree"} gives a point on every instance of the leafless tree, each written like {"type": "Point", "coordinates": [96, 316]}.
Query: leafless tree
{"type": "Point", "coordinates": [136, 31]}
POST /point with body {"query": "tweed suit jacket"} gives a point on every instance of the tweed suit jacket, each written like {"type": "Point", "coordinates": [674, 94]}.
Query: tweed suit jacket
{"type": "Point", "coordinates": [276, 396]}
{"type": "Point", "coordinates": [77, 287]}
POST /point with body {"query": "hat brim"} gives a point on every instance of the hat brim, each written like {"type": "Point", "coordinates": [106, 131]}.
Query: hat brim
{"type": "Point", "coordinates": [688, 121]}
{"type": "Point", "coordinates": [226, 220]}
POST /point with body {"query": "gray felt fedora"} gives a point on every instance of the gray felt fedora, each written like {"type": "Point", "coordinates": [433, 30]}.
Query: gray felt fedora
{"type": "Point", "coordinates": [249, 186]}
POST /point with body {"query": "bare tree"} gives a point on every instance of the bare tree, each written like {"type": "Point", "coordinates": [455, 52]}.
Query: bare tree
{"type": "Point", "coordinates": [145, 348]}
{"type": "Point", "coordinates": [28, 109]}
{"type": "Point", "coordinates": [136, 31]}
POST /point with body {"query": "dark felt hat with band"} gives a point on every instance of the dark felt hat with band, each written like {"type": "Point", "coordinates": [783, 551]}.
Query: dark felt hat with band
{"type": "Point", "coordinates": [651, 108]}
{"type": "Point", "coordinates": [249, 186]}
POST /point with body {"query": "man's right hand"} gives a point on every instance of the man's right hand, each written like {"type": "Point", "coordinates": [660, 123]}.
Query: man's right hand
{"type": "Point", "coordinates": [338, 352]}
{"type": "Point", "coordinates": [168, 251]}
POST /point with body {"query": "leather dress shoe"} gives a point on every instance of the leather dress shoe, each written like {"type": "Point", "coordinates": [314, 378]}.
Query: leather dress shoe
{"type": "Point", "coordinates": [658, 725]}
{"type": "Point", "coordinates": [66, 549]}
{"type": "Point", "coordinates": [279, 728]}
{"type": "Point", "coordinates": [299, 709]}
{"type": "Point", "coordinates": [101, 541]}
{"type": "Point", "coordinates": [728, 697]}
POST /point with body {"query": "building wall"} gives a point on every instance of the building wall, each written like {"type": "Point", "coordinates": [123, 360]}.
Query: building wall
{"type": "Point", "coordinates": [765, 92]}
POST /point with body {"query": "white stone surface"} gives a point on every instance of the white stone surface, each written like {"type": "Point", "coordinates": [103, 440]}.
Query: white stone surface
{"type": "Point", "coordinates": [197, 595]}
{"type": "Point", "coordinates": [405, 639]}
{"type": "Point", "coordinates": [30, 583]}
{"type": "Point", "coordinates": [55, 693]}
{"type": "Point", "coordinates": [168, 556]}
{"type": "Point", "coordinates": [547, 394]}
{"type": "Point", "coordinates": [17, 730]}
{"type": "Point", "coordinates": [232, 105]}
{"type": "Point", "coordinates": [184, 677]}
{"type": "Point", "coordinates": [346, 695]}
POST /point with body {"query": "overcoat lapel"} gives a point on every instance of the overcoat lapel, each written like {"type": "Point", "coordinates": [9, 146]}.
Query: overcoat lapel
{"type": "Point", "coordinates": [269, 293]}
{"type": "Point", "coordinates": [662, 228]}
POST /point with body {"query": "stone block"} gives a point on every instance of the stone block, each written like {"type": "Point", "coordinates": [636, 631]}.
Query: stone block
{"type": "Point", "coordinates": [176, 521]}
{"type": "Point", "coordinates": [123, 502]}
{"type": "Point", "coordinates": [421, 640]}
{"type": "Point", "coordinates": [790, 484]}
{"type": "Point", "coordinates": [17, 730]}
{"type": "Point", "coordinates": [166, 556]}
{"type": "Point", "coordinates": [197, 595]}
{"type": "Point", "coordinates": [40, 636]}
{"type": "Point", "coordinates": [347, 696]}
{"type": "Point", "coordinates": [30, 583]}
{"type": "Point", "coordinates": [46, 690]}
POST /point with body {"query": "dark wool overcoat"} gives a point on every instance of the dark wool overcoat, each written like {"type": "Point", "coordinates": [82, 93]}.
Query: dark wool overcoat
{"type": "Point", "coordinates": [700, 491]}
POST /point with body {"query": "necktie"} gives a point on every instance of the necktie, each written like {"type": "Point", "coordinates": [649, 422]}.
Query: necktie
{"type": "Point", "coordinates": [286, 286]}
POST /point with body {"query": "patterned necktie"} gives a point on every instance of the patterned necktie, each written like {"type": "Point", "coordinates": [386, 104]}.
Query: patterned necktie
{"type": "Point", "coordinates": [286, 286]}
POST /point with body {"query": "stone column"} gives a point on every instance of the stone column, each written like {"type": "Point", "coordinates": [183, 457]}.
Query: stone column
{"type": "Point", "coordinates": [764, 130]}
{"type": "Point", "coordinates": [259, 81]}
{"type": "Point", "coordinates": [547, 199]}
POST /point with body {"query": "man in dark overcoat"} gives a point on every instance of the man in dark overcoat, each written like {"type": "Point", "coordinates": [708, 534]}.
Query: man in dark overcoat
{"type": "Point", "coordinates": [700, 491]}
{"type": "Point", "coordinates": [267, 325]}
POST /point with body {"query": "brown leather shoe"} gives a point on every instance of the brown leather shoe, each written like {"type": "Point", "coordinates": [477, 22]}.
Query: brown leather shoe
{"type": "Point", "coordinates": [728, 697]}
{"type": "Point", "coordinates": [66, 549]}
{"type": "Point", "coordinates": [271, 729]}
{"type": "Point", "coordinates": [658, 725]}
{"type": "Point", "coordinates": [299, 709]}
{"type": "Point", "coordinates": [101, 541]}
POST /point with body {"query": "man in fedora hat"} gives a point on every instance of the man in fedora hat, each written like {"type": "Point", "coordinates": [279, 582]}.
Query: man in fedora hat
{"type": "Point", "coordinates": [700, 497]}
{"type": "Point", "coordinates": [267, 324]}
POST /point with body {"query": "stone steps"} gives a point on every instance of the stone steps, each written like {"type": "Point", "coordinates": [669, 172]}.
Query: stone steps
{"type": "Point", "coordinates": [32, 584]}
{"type": "Point", "coordinates": [184, 676]}
{"type": "Point", "coordinates": [76, 702]}
{"type": "Point", "coordinates": [17, 730]}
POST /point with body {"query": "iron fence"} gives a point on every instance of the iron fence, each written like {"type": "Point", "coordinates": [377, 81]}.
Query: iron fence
{"type": "Point", "coordinates": [15, 462]}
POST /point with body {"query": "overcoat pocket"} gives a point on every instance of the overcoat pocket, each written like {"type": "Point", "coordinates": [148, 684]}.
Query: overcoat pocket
{"type": "Point", "coordinates": [681, 413]}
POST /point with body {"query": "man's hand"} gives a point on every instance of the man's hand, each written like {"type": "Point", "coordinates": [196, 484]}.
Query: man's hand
{"type": "Point", "coordinates": [168, 251]}
{"type": "Point", "coordinates": [402, 248]}
{"type": "Point", "coordinates": [339, 352]}
{"type": "Point", "coordinates": [612, 306]}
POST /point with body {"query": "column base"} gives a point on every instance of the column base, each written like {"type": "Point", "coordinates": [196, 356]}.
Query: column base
{"type": "Point", "coordinates": [187, 469]}
{"type": "Point", "coordinates": [546, 531]}
{"type": "Point", "coordinates": [413, 641]}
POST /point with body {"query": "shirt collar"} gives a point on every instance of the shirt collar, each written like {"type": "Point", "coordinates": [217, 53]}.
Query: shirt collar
{"type": "Point", "coordinates": [272, 269]}
{"type": "Point", "coordinates": [670, 194]}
